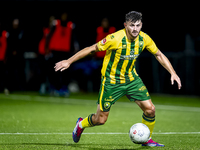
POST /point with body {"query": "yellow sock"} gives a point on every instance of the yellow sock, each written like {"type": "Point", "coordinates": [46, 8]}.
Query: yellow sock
{"type": "Point", "coordinates": [149, 122]}
{"type": "Point", "coordinates": [87, 122]}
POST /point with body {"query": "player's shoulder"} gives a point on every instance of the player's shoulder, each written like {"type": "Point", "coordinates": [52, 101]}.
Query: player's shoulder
{"type": "Point", "coordinates": [111, 41]}
{"type": "Point", "coordinates": [144, 35]}
{"type": "Point", "coordinates": [119, 33]}
{"type": "Point", "coordinates": [117, 36]}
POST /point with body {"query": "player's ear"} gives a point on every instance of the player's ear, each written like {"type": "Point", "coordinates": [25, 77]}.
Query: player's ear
{"type": "Point", "coordinates": [125, 24]}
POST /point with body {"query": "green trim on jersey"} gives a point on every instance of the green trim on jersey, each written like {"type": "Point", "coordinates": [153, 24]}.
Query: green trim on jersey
{"type": "Point", "coordinates": [121, 61]}
{"type": "Point", "coordinates": [121, 54]}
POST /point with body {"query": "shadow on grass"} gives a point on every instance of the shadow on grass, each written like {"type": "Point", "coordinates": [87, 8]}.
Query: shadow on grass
{"type": "Point", "coordinates": [81, 146]}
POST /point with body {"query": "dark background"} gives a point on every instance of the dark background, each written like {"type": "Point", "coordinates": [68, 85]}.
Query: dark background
{"type": "Point", "coordinates": [166, 22]}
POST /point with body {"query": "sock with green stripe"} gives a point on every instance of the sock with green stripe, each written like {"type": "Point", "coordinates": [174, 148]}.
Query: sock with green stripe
{"type": "Point", "coordinates": [149, 122]}
{"type": "Point", "coordinates": [87, 122]}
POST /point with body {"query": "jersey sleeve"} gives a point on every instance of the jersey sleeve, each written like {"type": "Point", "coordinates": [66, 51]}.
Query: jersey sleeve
{"type": "Point", "coordinates": [107, 43]}
{"type": "Point", "coordinates": [150, 45]}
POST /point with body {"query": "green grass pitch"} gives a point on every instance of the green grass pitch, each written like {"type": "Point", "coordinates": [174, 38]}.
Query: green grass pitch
{"type": "Point", "coordinates": [30, 121]}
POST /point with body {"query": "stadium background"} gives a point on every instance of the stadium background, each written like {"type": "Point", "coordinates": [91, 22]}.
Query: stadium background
{"type": "Point", "coordinates": [32, 121]}
{"type": "Point", "coordinates": [173, 27]}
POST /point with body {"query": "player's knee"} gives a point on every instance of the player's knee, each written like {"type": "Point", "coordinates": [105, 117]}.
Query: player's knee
{"type": "Point", "coordinates": [150, 111]}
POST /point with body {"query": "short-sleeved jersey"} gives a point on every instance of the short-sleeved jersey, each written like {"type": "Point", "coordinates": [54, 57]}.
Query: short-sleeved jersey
{"type": "Point", "coordinates": [121, 54]}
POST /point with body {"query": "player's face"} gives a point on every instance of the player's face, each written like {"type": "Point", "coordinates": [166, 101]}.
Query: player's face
{"type": "Point", "coordinates": [133, 28]}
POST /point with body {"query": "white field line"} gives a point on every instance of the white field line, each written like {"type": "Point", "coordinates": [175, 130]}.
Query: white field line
{"type": "Point", "coordinates": [93, 102]}
{"type": "Point", "coordinates": [109, 133]}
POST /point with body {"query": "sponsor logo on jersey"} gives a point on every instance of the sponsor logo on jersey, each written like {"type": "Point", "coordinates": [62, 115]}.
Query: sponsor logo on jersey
{"type": "Point", "coordinates": [103, 41]}
{"type": "Point", "coordinates": [129, 57]}
{"type": "Point", "coordinates": [142, 88]}
{"type": "Point", "coordinates": [112, 36]}
{"type": "Point", "coordinates": [109, 99]}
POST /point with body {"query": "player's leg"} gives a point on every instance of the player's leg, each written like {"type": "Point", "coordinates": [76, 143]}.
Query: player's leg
{"type": "Point", "coordinates": [148, 117]}
{"type": "Point", "coordinates": [100, 117]}
{"type": "Point", "coordinates": [138, 92]}
{"type": "Point", "coordinates": [108, 95]}
{"type": "Point", "coordinates": [95, 119]}
{"type": "Point", "coordinates": [92, 120]}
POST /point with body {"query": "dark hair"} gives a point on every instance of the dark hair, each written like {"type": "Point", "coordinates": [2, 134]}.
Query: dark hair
{"type": "Point", "coordinates": [133, 16]}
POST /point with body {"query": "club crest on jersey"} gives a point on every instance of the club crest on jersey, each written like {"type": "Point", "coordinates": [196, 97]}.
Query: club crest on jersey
{"type": "Point", "coordinates": [103, 41]}
{"type": "Point", "coordinates": [107, 105]}
{"type": "Point", "coordinates": [141, 43]}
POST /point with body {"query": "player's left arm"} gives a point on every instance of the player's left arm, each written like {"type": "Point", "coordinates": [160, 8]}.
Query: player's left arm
{"type": "Point", "coordinates": [164, 61]}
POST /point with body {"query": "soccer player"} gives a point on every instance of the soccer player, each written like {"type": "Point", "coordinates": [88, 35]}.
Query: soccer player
{"type": "Point", "coordinates": [119, 76]}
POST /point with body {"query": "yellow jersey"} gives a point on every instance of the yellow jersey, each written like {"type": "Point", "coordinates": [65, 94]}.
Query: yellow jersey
{"type": "Point", "coordinates": [121, 54]}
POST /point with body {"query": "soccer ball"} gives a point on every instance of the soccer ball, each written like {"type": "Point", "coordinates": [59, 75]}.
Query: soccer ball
{"type": "Point", "coordinates": [139, 133]}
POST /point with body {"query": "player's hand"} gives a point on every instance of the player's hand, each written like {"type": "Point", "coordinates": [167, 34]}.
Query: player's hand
{"type": "Point", "coordinates": [62, 65]}
{"type": "Point", "coordinates": [174, 77]}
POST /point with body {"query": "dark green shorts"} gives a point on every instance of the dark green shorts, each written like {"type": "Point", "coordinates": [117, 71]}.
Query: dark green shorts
{"type": "Point", "coordinates": [110, 93]}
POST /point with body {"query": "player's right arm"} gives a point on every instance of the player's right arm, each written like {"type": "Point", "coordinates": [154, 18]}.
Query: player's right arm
{"type": "Point", "coordinates": [64, 64]}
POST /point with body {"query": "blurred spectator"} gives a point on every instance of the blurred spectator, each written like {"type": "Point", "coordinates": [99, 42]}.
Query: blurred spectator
{"type": "Point", "coordinates": [46, 31]}
{"type": "Point", "coordinates": [3, 48]}
{"type": "Point", "coordinates": [43, 57]}
{"type": "Point", "coordinates": [90, 69]}
{"type": "Point", "coordinates": [60, 44]}
{"type": "Point", "coordinates": [15, 57]}
{"type": "Point", "coordinates": [102, 32]}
